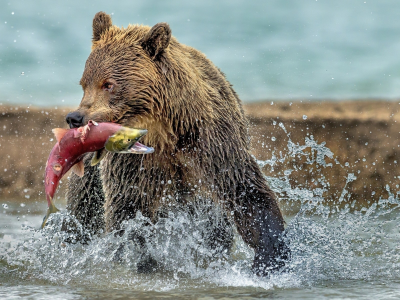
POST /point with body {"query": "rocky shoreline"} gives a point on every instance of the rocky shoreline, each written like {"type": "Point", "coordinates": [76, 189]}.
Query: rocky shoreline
{"type": "Point", "coordinates": [362, 136]}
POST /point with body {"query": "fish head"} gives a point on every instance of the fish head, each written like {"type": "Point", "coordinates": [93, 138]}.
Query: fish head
{"type": "Point", "coordinates": [126, 140]}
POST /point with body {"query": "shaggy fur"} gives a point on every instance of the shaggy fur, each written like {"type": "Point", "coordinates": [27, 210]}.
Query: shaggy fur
{"type": "Point", "coordinates": [143, 77]}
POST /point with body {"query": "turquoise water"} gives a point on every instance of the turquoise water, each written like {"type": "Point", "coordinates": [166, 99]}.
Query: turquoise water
{"type": "Point", "coordinates": [336, 49]}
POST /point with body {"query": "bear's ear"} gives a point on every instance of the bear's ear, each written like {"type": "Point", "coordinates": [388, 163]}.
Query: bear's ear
{"type": "Point", "coordinates": [157, 39]}
{"type": "Point", "coordinates": [101, 23]}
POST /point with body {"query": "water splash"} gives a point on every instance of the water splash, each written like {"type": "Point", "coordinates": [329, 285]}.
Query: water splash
{"type": "Point", "coordinates": [330, 240]}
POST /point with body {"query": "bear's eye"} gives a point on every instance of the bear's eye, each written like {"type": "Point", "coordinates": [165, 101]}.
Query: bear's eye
{"type": "Point", "coordinates": [108, 86]}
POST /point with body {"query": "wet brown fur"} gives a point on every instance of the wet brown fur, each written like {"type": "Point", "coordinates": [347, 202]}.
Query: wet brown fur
{"type": "Point", "coordinates": [195, 123]}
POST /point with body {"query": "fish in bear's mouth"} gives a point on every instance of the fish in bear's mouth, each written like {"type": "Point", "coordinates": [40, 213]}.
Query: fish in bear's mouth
{"type": "Point", "coordinates": [73, 143]}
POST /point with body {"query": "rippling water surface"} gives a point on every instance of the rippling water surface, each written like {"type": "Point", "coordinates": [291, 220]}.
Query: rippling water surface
{"type": "Point", "coordinates": [339, 250]}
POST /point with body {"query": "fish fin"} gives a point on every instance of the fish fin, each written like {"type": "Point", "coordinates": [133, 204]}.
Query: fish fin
{"type": "Point", "coordinates": [59, 133]}
{"type": "Point", "coordinates": [98, 156]}
{"type": "Point", "coordinates": [79, 168]}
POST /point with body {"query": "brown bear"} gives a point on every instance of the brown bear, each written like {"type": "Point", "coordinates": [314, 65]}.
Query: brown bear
{"type": "Point", "coordinates": [143, 77]}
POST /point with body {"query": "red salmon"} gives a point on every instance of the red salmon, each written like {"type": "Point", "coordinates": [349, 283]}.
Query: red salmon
{"type": "Point", "coordinates": [72, 144]}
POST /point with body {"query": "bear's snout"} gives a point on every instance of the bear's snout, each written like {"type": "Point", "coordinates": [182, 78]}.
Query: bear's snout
{"type": "Point", "coordinates": [74, 119]}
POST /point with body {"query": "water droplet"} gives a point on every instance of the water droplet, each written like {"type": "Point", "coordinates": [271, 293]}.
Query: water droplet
{"type": "Point", "coordinates": [304, 117]}
{"type": "Point", "coordinates": [5, 206]}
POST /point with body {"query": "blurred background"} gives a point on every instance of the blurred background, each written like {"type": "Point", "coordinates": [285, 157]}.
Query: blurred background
{"type": "Point", "coordinates": [268, 49]}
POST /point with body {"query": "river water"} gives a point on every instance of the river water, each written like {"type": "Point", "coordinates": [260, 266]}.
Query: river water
{"type": "Point", "coordinates": [340, 250]}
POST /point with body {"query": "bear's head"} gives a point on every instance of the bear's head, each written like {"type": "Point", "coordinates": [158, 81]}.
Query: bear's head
{"type": "Point", "coordinates": [143, 77]}
{"type": "Point", "coordinates": [124, 78]}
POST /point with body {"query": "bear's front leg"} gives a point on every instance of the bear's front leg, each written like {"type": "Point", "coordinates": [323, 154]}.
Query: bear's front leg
{"type": "Point", "coordinates": [260, 221]}
{"type": "Point", "coordinates": [271, 252]}
{"type": "Point", "coordinates": [85, 198]}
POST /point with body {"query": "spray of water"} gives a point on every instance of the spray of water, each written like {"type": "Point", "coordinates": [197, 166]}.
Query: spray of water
{"type": "Point", "coordinates": [330, 239]}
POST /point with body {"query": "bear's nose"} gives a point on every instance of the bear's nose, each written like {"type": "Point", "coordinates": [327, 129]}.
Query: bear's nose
{"type": "Point", "coordinates": [74, 119]}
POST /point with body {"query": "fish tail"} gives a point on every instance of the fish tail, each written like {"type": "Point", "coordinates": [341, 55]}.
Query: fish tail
{"type": "Point", "coordinates": [50, 210]}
